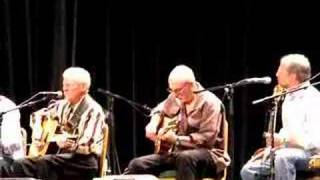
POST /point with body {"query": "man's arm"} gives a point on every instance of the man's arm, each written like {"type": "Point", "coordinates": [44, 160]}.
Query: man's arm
{"type": "Point", "coordinates": [209, 126]}
{"type": "Point", "coordinates": [209, 129]}
{"type": "Point", "coordinates": [151, 128]}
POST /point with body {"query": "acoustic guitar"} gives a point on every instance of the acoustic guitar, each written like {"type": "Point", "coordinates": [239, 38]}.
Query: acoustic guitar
{"type": "Point", "coordinates": [165, 125]}
{"type": "Point", "coordinates": [314, 162]}
{"type": "Point", "coordinates": [265, 152]}
{"type": "Point", "coordinates": [43, 131]}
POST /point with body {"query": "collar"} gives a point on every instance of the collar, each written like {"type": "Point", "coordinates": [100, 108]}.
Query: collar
{"type": "Point", "coordinates": [299, 93]}
{"type": "Point", "coordinates": [75, 106]}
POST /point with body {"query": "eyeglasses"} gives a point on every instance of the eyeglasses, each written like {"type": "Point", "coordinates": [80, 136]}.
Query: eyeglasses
{"type": "Point", "coordinates": [176, 91]}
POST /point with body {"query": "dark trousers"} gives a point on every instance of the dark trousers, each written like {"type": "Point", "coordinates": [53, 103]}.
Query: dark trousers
{"type": "Point", "coordinates": [189, 164]}
{"type": "Point", "coordinates": [56, 167]}
{"type": "Point", "coordinates": [5, 164]}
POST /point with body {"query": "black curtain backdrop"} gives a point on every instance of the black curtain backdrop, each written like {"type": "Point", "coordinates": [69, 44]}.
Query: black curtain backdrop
{"type": "Point", "coordinates": [130, 48]}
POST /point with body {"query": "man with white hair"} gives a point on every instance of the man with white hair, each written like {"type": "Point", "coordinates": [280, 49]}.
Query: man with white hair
{"type": "Point", "coordinates": [80, 120]}
{"type": "Point", "coordinates": [299, 138]}
{"type": "Point", "coordinates": [195, 139]}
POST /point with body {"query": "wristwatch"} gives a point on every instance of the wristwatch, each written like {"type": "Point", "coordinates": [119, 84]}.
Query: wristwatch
{"type": "Point", "coordinates": [178, 141]}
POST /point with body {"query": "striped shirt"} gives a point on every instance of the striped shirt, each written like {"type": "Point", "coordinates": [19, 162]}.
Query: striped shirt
{"type": "Point", "coordinates": [88, 129]}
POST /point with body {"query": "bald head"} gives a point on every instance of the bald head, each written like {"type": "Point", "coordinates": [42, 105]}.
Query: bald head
{"type": "Point", "coordinates": [181, 73]}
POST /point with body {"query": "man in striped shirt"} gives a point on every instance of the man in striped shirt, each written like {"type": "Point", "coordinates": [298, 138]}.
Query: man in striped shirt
{"type": "Point", "coordinates": [79, 116]}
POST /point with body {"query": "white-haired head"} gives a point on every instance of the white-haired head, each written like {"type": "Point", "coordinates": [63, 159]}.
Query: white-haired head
{"type": "Point", "coordinates": [79, 75]}
{"type": "Point", "coordinates": [181, 73]}
{"type": "Point", "coordinates": [297, 64]}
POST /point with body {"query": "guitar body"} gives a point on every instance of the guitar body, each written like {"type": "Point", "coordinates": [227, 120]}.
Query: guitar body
{"type": "Point", "coordinates": [264, 153]}
{"type": "Point", "coordinates": [314, 162]}
{"type": "Point", "coordinates": [43, 131]}
{"type": "Point", "coordinates": [162, 147]}
{"type": "Point", "coordinates": [165, 124]}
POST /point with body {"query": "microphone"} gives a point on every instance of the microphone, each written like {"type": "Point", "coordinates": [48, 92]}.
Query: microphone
{"type": "Point", "coordinates": [132, 103]}
{"type": "Point", "coordinates": [106, 92]}
{"type": "Point", "coordinates": [58, 94]}
{"type": "Point", "coordinates": [256, 80]}
{"type": "Point", "coordinates": [146, 107]}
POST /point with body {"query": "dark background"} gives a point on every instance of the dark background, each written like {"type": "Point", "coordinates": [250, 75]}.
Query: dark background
{"type": "Point", "coordinates": [130, 48]}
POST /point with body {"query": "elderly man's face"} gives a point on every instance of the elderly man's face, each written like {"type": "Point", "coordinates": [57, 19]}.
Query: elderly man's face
{"type": "Point", "coordinates": [72, 90]}
{"type": "Point", "coordinates": [182, 90]}
{"type": "Point", "coordinates": [285, 78]}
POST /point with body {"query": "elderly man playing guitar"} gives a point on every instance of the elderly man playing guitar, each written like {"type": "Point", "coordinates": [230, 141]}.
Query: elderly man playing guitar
{"type": "Point", "coordinates": [78, 116]}
{"type": "Point", "coordinates": [187, 131]}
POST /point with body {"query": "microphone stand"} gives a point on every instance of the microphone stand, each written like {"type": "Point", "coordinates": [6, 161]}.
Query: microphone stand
{"type": "Point", "coordinates": [229, 86]}
{"type": "Point", "coordinates": [229, 93]}
{"type": "Point", "coordinates": [110, 116]}
{"type": "Point", "coordinates": [28, 100]}
{"type": "Point", "coordinates": [133, 104]}
{"type": "Point", "coordinates": [271, 129]}
{"type": "Point", "coordinates": [273, 121]}
{"type": "Point", "coordinates": [31, 103]}
{"type": "Point", "coordinates": [111, 122]}
{"type": "Point", "coordinates": [20, 107]}
{"type": "Point", "coordinates": [258, 101]}
{"type": "Point", "coordinates": [26, 103]}
{"type": "Point", "coordinates": [272, 125]}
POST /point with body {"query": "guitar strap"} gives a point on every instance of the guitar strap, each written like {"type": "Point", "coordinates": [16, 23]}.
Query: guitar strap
{"type": "Point", "coordinates": [72, 123]}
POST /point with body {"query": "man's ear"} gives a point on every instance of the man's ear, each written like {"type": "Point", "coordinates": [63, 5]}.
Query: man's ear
{"type": "Point", "coordinates": [84, 88]}
{"type": "Point", "coordinates": [293, 77]}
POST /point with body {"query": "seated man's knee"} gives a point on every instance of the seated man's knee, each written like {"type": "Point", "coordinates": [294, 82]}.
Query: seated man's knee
{"type": "Point", "coordinates": [247, 174]}
{"type": "Point", "coordinates": [244, 172]}
{"type": "Point", "coordinates": [135, 163]}
{"type": "Point", "coordinates": [184, 158]}
{"type": "Point", "coordinates": [282, 158]}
